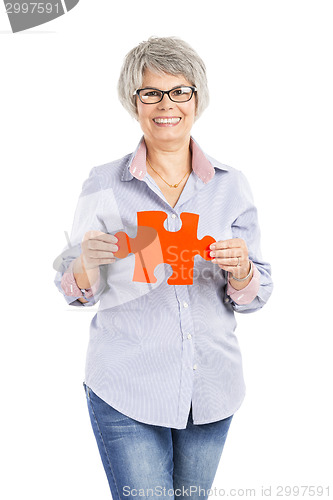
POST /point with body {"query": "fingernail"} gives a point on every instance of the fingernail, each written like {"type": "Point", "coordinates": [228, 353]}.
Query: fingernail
{"type": "Point", "coordinates": [212, 246]}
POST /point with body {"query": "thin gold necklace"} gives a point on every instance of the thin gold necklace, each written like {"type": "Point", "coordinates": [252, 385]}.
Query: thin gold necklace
{"type": "Point", "coordinates": [170, 185]}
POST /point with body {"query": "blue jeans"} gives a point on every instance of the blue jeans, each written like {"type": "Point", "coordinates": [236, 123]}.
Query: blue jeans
{"type": "Point", "coordinates": [143, 460]}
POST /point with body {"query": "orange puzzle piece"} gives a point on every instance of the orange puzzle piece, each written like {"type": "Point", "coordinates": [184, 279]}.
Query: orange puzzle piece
{"type": "Point", "coordinates": [154, 245]}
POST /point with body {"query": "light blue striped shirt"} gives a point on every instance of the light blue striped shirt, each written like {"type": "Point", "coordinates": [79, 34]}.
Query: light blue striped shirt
{"type": "Point", "coordinates": [154, 348]}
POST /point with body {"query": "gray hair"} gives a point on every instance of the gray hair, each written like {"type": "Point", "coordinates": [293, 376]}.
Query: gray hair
{"type": "Point", "coordinates": [162, 55]}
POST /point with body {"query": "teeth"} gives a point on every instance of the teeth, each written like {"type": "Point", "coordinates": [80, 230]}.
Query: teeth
{"type": "Point", "coordinates": [166, 120]}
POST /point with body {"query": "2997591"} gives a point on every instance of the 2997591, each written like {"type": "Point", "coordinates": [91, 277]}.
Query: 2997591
{"type": "Point", "coordinates": [32, 8]}
{"type": "Point", "coordinates": [302, 491]}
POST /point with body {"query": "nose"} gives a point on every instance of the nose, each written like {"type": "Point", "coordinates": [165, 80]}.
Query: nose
{"type": "Point", "coordinates": [166, 103]}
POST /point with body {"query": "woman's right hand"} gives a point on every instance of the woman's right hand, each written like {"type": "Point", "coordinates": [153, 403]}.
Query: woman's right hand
{"type": "Point", "coordinates": [98, 248]}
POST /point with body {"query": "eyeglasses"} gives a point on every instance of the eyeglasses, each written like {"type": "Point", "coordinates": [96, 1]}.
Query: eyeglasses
{"type": "Point", "coordinates": [150, 95]}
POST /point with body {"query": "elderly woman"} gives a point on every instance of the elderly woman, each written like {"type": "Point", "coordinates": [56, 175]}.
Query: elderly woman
{"type": "Point", "coordinates": [167, 239]}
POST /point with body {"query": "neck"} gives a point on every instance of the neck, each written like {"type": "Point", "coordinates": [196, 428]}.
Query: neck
{"type": "Point", "coordinates": [171, 162]}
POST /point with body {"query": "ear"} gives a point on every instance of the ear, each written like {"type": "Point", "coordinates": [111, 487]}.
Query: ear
{"type": "Point", "coordinates": [196, 104]}
{"type": "Point", "coordinates": [136, 115]}
{"type": "Point", "coordinates": [196, 116]}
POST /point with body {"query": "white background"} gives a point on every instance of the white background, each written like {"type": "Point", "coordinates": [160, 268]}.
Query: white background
{"type": "Point", "coordinates": [269, 67]}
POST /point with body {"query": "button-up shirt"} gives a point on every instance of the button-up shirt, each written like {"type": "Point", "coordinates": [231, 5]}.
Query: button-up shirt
{"type": "Point", "coordinates": [155, 348]}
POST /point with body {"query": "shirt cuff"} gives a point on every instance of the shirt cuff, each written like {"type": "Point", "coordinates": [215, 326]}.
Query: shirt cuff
{"type": "Point", "coordinates": [249, 292]}
{"type": "Point", "coordinates": [70, 287]}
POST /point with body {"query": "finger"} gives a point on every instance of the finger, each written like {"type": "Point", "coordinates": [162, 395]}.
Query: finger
{"type": "Point", "coordinates": [107, 261]}
{"type": "Point", "coordinates": [108, 238]}
{"type": "Point", "coordinates": [231, 243]}
{"type": "Point", "coordinates": [101, 245]}
{"type": "Point", "coordinates": [96, 254]}
{"type": "Point", "coordinates": [228, 253]}
{"type": "Point", "coordinates": [233, 262]}
{"type": "Point", "coordinates": [99, 235]}
{"type": "Point", "coordinates": [91, 234]}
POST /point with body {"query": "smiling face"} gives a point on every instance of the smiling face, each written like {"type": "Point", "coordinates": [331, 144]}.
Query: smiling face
{"type": "Point", "coordinates": [180, 116]}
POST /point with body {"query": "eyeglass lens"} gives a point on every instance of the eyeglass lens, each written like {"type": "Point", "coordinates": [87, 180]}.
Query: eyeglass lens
{"type": "Point", "coordinates": [181, 94]}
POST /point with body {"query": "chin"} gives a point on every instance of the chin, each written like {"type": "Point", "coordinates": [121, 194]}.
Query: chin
{"type": "Point", "coordinates": [169, 134]}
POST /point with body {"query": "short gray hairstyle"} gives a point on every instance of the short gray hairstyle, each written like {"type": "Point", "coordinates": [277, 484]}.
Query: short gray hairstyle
{"type": "Point", "coordinates": [162, 55]}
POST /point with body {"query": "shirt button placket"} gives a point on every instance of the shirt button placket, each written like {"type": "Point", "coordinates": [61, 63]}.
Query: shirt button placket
{"type": "Point", "coordinates": [186, 325]}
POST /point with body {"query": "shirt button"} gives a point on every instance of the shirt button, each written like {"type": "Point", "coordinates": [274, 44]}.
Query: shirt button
{"type": "Point", "coordinates": [195, 367]}
{"type": "Point", "coordinates": [173, 216]}
{"type": "Point", "coordinates": [185, 304]}
{"type": "Point", "coordinates": [189, 336]}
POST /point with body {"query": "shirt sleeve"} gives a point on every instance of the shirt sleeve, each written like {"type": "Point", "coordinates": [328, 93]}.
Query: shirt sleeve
{"type": "Point", "coordinates": [88, 216]}
{"type": "Point", "coordinates": [70, 287]}
{"type": "Point", "coordinates": [249, 292]}
{"type": "Point", "coordinates": [246, 226]}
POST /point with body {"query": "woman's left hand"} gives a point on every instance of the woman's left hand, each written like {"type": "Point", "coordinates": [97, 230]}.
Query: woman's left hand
{"type": "Point", "coordinates": [231, 255]}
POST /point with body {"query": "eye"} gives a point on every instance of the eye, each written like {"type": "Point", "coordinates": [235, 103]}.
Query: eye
{"type": "Point", "coordinates": [181, 91]}
{"type": "Point", "coordinates": [151, 93]}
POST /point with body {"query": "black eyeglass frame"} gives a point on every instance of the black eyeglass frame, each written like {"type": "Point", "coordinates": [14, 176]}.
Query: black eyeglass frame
{"type": "Point", "coordinates": [137, 92]}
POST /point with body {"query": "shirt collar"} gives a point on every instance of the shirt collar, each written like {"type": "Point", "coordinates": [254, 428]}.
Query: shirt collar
{"type": "Point", "coordinates": [202, 165]}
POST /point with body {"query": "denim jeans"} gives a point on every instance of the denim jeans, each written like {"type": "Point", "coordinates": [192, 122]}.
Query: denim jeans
{"type": "Point", "coordinates": [143, 460]}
